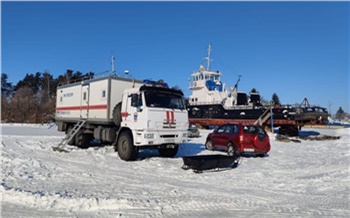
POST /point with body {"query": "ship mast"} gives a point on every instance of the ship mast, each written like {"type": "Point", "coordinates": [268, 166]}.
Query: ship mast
{"type": "Point", "coordinates": [112, 63]}
{"type": "Point", "coordinates": [208, 58]}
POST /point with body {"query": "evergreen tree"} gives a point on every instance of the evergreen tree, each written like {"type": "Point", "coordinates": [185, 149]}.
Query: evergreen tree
{"type": "Point", "coordinates": [275, 99]}
{"type": "Point", "coordinates": [6, 87]}
{"type": "Point", "coordinates": [340, 114]}
{"type": "Point", "coordinates": [32, 81]}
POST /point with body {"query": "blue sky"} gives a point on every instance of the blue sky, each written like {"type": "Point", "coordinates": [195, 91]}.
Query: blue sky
{"type": "Point", "coordinates": [294, 49]}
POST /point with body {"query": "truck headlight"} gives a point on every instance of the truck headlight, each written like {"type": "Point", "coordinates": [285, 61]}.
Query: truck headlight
{"type": "Point", "coordinates": [149, 136]}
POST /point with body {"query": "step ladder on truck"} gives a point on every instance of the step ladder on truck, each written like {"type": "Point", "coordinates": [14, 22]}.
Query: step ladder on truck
{"type": "Point", "coordinates": [62, 146]}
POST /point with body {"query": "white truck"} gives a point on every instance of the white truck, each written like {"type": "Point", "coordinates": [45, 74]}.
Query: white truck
{"type": "Point", "coordinates": [129, 114]}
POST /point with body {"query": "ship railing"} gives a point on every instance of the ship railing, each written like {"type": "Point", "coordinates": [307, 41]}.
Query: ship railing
{"type": "Point", "coordinates": [242, 107]}
{"type": "Point", "coordinates": [205, 102]}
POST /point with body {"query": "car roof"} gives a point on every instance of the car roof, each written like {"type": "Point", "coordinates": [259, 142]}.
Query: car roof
{"type": "Point", "coordinates": [243, 124]}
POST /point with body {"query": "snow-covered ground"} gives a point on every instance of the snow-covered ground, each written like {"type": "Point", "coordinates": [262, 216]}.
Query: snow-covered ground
{"type": "Point", "coordinates": [307, 179]}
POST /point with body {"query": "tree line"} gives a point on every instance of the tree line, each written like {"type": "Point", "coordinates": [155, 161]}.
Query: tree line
{"type": "Point", "coordinates": [33, 99]}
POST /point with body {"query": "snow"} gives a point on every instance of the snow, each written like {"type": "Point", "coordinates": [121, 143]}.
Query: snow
{"type": "Point", "coordinates": [307, 179]}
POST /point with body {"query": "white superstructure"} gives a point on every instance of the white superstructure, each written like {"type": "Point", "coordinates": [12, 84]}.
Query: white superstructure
{"type": "Point", "coordinates": [207, 88]}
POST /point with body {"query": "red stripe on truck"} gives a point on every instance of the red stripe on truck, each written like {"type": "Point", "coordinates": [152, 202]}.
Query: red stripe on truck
{"type": "Point", "coordinates": [85, 107]}
{"type": "Point", "coordinates": [170, 117]}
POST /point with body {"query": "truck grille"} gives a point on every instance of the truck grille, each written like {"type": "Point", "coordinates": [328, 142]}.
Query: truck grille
{"type": "Point", "coordinates": [168, 136]}
{"type": "Point", "coordinates": [169, 125]}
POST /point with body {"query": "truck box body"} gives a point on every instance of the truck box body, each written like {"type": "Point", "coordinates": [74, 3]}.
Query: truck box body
{"type": "Point", "coordinates": [93, 99]}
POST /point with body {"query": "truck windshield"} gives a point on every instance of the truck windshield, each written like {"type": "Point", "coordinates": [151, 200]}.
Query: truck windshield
{"type": "Point", "coordinates": [164, 100]}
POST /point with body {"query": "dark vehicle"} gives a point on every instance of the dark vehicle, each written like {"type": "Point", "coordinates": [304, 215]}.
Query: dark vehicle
{"type": "Point", "coordinates": [238, 138]}
{"type": "Point", "coordinates": [192, 132]}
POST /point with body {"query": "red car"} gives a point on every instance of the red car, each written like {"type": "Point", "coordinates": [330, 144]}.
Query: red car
{"type": "Point", "coordinates": [238, 138]}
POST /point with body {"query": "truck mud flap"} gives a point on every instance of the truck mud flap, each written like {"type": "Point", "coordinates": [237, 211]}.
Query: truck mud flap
{"type": "Point", "coordinates": [209, 162]}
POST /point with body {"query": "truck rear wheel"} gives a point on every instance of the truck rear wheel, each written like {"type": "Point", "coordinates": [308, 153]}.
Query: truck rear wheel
{"type": "Point", "coordinates": [126, 149]}
{"type": "Point", "coordinates": [117, 114]}
{"type": "Point", "coordinates": [168, 152]}
{"type": "Point", "coordinates": [82, 140]}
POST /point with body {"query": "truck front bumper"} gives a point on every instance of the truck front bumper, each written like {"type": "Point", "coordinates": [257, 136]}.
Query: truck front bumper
{"type": "Point", "coordinates": [159, 138]}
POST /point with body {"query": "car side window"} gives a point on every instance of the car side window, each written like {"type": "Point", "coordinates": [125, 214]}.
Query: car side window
{"type": "Point", "coordinates": [260, 130]}
{"type": "Point", "coordinates": [245, 130]}
{"type": "Point", "coordinates": [221, 129]}
{"type": "Point", "coordinates": [229, 129]}
{"type": "Point", "coordinates": [235, 129]}
{"type": "Point", "coordinates": [252, 130]}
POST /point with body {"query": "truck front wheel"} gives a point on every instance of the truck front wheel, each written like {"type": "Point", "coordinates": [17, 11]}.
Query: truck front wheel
{"type": "Point", "coordinates": [168, 152]}
{"type": "Point", "coordinates": [126, 149]}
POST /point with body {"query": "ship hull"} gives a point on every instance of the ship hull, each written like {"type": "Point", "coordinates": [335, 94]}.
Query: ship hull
{"type": "Point", "coordinates": [216, 114]}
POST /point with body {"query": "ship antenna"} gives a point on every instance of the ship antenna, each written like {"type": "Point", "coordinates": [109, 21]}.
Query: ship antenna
{"type": "Point", "coordinates": [112, 63]}
{"type": "Point", "coordinates": [208, 58]}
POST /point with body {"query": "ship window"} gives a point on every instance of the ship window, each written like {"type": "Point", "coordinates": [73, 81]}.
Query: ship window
{"type": "Point", "coordinates": [196, 99]}
{"type": "Point", "coordinates": [61, 99]}
{"type": "Point", "coordinates": [103, 93]}
{"type": "Point", "coordinates": [84, 96]}
{"type": "Point", "coordinates": [192, 99]}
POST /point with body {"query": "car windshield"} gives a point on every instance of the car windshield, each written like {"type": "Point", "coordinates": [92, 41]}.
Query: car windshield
{"type": "Point", "coordinates": [164, 100]}
{"type": "Point", "coordinates": [253, 130]}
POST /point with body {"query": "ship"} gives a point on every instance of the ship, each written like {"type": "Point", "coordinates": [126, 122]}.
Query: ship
{"type": "Point", "coordinates": [307, 114]}
{"type": "Point", "coordinates": [212, 103]}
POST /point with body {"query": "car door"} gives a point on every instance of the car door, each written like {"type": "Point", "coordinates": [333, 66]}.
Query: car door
{"type": "Point", "coordinates": [225, 136]}
{"type": "Point", "coordinates": [217, 137]}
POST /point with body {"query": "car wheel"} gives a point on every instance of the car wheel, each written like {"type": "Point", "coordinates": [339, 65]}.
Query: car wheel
{"type": "Point", "coordinates": [231, 150]}
{"type": "Point", "coordinates": [209, 145]}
